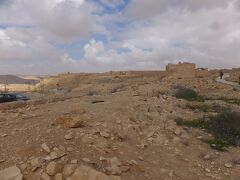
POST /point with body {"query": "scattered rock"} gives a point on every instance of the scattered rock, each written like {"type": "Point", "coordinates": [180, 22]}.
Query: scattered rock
{"type": "Point", "coordinates": [35, 163]}
{"type": "Point", "coordinates": [115, 166]}
{"type": "Point", "coordinates": [177, 131]}
{"type": "Point", "coordinates": [86, 160]}
{"type": "Point", "coordinates": [23, 166]}
{"type": "Point", "coordinates": [69, 169]}
{"type": "Point", "coordinates": [53, 168]}
{"type": "Point", "coordinates": [69, 149]}
{"type": "Point", "coordinates": [56, 154]}
{"type": "Point", "coordinates": [85, 172]}
{"type": "Point", "coordinates": [207, 157]}
{"type": "Point", "coordinates": [170, 174]}
{"type": "Point", "coordinates": [58, 176]}
{"type": "Point", "coordinates": [46, 148]}
{"type": "Point", "coordinates": [228, 165]}
{"type": "Point", "coordinates": [45, 176]}
{"type": "Point", "coordinates": [104, 134]}
{"type": "Point", "coordinates": [11, 173]}
{"type": "Point", "coordinates": [69, 122]}
{"type": "Point", "coordinates": [68, 136]}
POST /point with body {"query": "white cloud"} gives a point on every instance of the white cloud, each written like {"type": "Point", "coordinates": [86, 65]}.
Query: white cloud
{"type": "Point", "coordinates": [148, 34]}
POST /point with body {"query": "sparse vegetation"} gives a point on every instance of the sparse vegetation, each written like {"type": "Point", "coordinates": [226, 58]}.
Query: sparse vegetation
{"type": "Point", "coordinates": [117, 88]}
{"type": "Point", "coordinates": [225, 128]}
{"type": "Point", "coordinates": [206, 108]}
{"type": "Point", "coordinates": [227, 100]}
{"type": "Point", "coordinates": [187, 94]}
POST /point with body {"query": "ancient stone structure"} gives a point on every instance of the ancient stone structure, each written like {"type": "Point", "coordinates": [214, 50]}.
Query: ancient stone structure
{"type": "Point", "coordinates": [181, 70]}
{"type": "Point", "coordinates": [185, 70]}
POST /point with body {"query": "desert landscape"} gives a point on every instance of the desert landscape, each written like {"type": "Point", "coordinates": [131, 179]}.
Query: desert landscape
{"type": "Point", "coordinates": [123, 125]}
{"type": "Point", "coordinates": [119, 90]}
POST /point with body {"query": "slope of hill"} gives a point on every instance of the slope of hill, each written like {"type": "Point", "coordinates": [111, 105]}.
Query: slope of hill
{"type": "Point", "coordinates": [117, 126]}
{"type": "Point", "coordinates": [12, 79]}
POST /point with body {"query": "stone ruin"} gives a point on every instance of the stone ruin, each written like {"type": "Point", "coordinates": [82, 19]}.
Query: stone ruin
{"type": "Point", "coordinates": [185, 70]}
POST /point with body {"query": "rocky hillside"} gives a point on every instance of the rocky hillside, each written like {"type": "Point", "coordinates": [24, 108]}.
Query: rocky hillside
{"type": "Point", "coordinates": [234, 75]}
{"type": "Point", "coordinates": [12, 79]}
{"type": "Point", "coordinates": [116, 126]}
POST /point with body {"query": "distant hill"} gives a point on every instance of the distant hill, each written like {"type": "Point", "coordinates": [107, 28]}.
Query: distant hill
{"type": "Point", "coordinates": [12, 79]}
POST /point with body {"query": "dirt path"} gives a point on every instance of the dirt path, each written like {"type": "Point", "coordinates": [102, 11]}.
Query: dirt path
{"type": "Point", "coordinates": [224, 81]}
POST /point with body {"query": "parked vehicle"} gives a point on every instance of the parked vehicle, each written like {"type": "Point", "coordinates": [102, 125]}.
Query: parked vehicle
{"type": "Point", "coordinates": [21, 97]}
{"type": "Point", "coordinates": [6, 97]}
{"type": "Point", "coordinates": [9, 97]}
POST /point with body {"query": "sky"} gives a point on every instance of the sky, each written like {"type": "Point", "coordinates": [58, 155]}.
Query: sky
{"type": "Point", "coordinates": [55, 36]}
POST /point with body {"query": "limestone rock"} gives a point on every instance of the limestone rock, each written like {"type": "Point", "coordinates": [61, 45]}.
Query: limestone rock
{"type": "Point", "coordinates": [68, 136]}
{"type": "Point", "coordinates": [11, 173]}
{"type": "Point", "coordinates": [115, 166]}
{"type": "Point", "coordinates": [58, 176]}
{"type": "Point", "coordinates": [45, 176]}
{"type": "Point", "coordinates": [57, 153]}
{"type": "Point", "coordinates": [69, 122]}
{"type": "Point", "coordinates": [87, 173]}
{"type": "Point", "coordinates": [104, 134]}
{"type": "Point", "coordinates": [45, 148]}
{"type": "Point", "coordinates": [228, 165]}
{"type": "Point", "coordinates": [35, 163]}
{"type": "Point", "coordinates": [69, 169]}
{"type": "Point", "coordinates": [53, 168]}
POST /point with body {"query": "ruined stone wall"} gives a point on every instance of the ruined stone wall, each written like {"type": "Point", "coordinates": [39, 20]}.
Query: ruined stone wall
{"type": "Point", "coordinates": [201, 73]}
{"type": "Point", "coordinates": [181, 70]}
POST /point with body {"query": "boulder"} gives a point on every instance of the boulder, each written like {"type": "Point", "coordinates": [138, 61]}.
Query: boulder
{"type": "Point", "coordinates": [87, 173]}
{"type": "Point", "coordinates": [11, 173]}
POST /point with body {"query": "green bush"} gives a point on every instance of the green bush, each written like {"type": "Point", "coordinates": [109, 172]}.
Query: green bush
{"type": "Point", "coordinates": [187, 94]}
{"type": "Point", "coordinates": [225, 128]}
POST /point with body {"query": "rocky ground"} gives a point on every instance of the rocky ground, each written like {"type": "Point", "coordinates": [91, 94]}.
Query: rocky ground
{"type": "Point", "coordinates": [113, 127]}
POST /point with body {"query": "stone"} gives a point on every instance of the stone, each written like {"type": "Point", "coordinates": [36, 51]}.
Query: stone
{"type": "Point", "coordinates": [207, 157]}
{"type": "Point", "coordinates": [228, 165]}
{"type": "Point", "coordinates": [69, 169]}
{"type": "Point", "coordinates": [170, 174]}
{"type": "Point", "coordinates": [58, 176]}
{"type": "Point", "coordinates": [75, 161]}
{"type": "Point", "coordinates": [86, 160]}
{"type": "Point", "coordinates": [57, 153]}
{"type": "Point", "coordinates": [11, 173]}
{"type": "Point", "coordinates": [53, 168]}
{"type": "Point", "coordinates": [104, 134]}
{"type": "Point", "coordinates": [115, 166]}
{"type": "Point", "coordinates": [87, 139]}
{"type": "Point", "coordinates": [69, 122]}
{"type": "Point", "coordinates": [87, 173]}
{"type": "Point", "coordinates": [140, 158]}
{"type": "Point", "coordinates": [46, 148]}
{"type": "Point", "coordinates": [35, 163]}
{"type": "Point", "coordinates": [69, 149]}
{"type": "Point", "coordinates": [177, 131]}
{"type": "Point", "coordinates": [207, 170]}
{"type": "Point", "coordinates": [68, 136]}
{"type": "Point", "coordinates": [45, 176]}
{"type": "Point", "coordinates": [23, 166]}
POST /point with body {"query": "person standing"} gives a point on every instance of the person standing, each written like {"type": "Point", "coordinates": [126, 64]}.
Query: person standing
{"type": "Point", "coordinates": [221, 74]}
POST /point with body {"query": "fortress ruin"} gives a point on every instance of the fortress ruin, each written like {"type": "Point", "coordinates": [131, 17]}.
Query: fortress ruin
{"type": "Point", "coordinates": [185, 70]}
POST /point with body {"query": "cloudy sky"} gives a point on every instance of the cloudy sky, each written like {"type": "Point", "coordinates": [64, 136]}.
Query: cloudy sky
{"type": "Point", "coordinates": [53, 36]}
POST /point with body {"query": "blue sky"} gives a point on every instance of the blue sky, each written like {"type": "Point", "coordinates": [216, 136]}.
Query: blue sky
{"type": "Point", "coordinates": [54, 36]}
